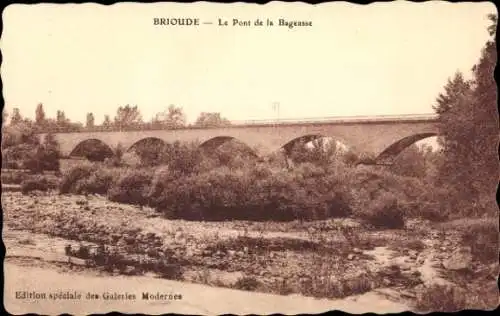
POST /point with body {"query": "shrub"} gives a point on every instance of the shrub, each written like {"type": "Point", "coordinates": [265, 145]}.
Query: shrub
{"type": "Point", "coordinates": [48, 154]}
{"type": "Point", "coordinates": [350, 158]}
{"type": "Point", "coordinates": [246, 283]}
{"type": "Point", "coordinates": [232, 154]}
{"type": "Point", "coordinates": [163, 176]}
{"type": "Point", "coordinates": [37, 183]}
{"type": "Point", "coordinates": [34, 156]}
{"type": "Point", "coordinates": [321, 153]}
{"type": "Point", "coordinates": [276, 160]}
{"type": "Point", "coordinates": [87, 179]}
{"type": "Point", "coordinates": [15, 155]}
{"type": "Point", "coordinates": [442, 298]}
{"type": "Point", "coordinates": [43, 160]}
{"type": "Point", "coordinates": [182, 158]}
{"type": "Point", "coordinates": [73, 175]}
{"type": "Point", "coordinates": [13, 177]}
{"type": "Point", "coordinates": [150, 151]}
{"type": "Point", "coordinates": [98, 182]}
{"type": "Point", "coordinates": [384, 213]}
{"type": "Point", "coordinates": [253, 193]}
{"type": "Point", "coordinates": [482, 237]}
{"type": "Point", "coordinates": [338, 205]}
{"type": "Point", "coordinates": [430, 203]}
{"type": "Point", "coordinates": [132, 187]}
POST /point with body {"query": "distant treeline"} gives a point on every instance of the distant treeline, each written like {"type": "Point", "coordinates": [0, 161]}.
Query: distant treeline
{"type": "Point", "coordinates": [127, 118]}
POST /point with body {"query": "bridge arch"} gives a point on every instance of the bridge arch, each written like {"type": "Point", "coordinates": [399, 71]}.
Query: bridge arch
{"type": "Point", "coordinates": [154, 142]}
{"type": "Point", "coordinates": [148, 151]}
{"type": "Point", "coordinates": [93, 149]}
{"type": "Point", "coordinates": [288, 147]}
{"type": "Point", "coordinates": [212, 144]}
{"type": "Point", "coordinates": [396, 148]}
{"type": "Point", "coordinates": [305, 139]}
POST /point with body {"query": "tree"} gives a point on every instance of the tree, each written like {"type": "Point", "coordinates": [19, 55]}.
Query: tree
{"type": "Point", "coordinates": [212, 119]}
{"type": "Point", "coordinates": [127, 117]}
{"type": "Point", "coordinates": [172, 117]}
{"type": "Point", "coordinates": [61, 118]}
{"type": "Point", "coordinates": [90, 120]}
{"type": "Point", "coordinates": [19, 134]}
{"type": "Point", "coordinates": [319, 151]}
{"type": "Point", "coordinates": [485, 117]}
{"type": "Point", "coordinates": [39, 115]}
{"type": "Point", "coordinates": [21, 147]}
{"type": "Point", "coordinates": [5, 116]}
{"type": "Point", "coordinates": [16, 117]}
{"type": "Point", "coordinates": [469, 126]}
{"type": "Point", "coordinates": [411, 162]}
{"type": "Point", "coordinates": [150, 151]}
{"type": "Point", "coordinates": [47, 154]}
{"type": "Point", "coordinates": [107, 121]}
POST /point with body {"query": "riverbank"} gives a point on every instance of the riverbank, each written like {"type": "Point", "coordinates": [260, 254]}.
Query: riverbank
{"type": "Point", "coordinates": [196, 299]}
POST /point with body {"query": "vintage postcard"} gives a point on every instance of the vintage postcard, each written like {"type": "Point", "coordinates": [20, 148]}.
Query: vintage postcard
{"type": "Point", "coordinates": [206, 158]}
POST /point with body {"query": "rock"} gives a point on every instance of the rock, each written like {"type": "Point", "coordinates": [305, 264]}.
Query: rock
{"type": "Point", "coordinates": [405, 267]}
{"type": "Point", "coordinates": [460, 259]}
{"type": "Point", "coordinates": [351, 257]}
{"type": "Point", "coordinates": [357, 250]}
{"type": "Point", "coordinates": [231, 252]}
{"type": "Point", "coordinates": [412, 253]}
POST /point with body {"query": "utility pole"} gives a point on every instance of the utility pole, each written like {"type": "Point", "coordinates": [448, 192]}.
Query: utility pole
{"type": "Point", "coordinates": [276, 109]}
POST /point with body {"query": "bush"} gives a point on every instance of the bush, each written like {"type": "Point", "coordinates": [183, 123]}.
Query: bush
{"type": "Point", "coordinates": [133, 187]}
{"type": "Point", "coordinates": [73, 175]}
{"type": "Point", "coordinates": [13, 177]}
{"type": "Point", "coordinates": [246, 283]}
{"type": "Point", "coordinates": [252, 193]}
{"type": "Point", "coordinates": [182, 158]}
{"type": "Point", "coordinates": [150, 151]}
{"type": "Point", "coordinates": [37, 183]}
{"type": "Point", "coordinates": [442, 298]}
{"type": "Point", "coordinates": [14, 157]}
{"type": "Point", "coordinates": [482, 237]}
{"type": "Point", "coordinates": [163, 176]}
{"type": "Point", "coordinates": [98, 182]}
{"type": "Point", "coordinates": [35, 157]}
{"type": "Point", "coordinates": [384, 213]}
{"type": "Point", "coordinates": [433, 204]}
{"type": "Point", "coordinates": [44, 158]}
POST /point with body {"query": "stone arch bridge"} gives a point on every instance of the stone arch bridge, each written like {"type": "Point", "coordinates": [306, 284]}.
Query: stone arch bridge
{"type": "Point", "coordinates": [382, 136]}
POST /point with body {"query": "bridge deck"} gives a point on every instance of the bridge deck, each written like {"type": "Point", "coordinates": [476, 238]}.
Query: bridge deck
{"type": "Point", "coordinates": [408, 118]}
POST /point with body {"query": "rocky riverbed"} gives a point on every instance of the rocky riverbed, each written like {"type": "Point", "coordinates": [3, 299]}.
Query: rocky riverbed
{"type": "Point", "coordinates": [328, 259]}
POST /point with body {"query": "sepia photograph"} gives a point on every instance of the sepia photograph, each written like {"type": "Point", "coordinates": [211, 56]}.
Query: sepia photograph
{"type": "Point", "coordinates": [207, 158]}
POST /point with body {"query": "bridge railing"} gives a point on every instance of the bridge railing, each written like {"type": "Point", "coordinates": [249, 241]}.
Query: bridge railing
{"type": "Point", "coordinates": [340, 119]}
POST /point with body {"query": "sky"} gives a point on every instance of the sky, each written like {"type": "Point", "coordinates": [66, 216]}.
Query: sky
{"type": "Point", "coordinates": [379, 59]}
